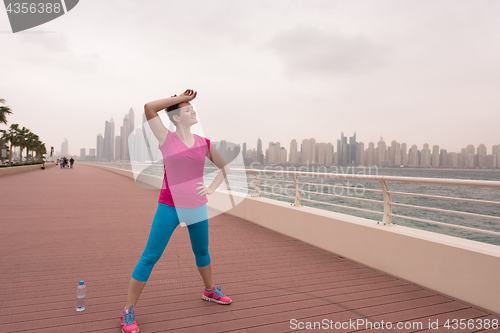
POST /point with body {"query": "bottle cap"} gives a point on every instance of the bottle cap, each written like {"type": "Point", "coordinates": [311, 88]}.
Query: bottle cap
{"type": "Point", "coordinates": [81, 282]}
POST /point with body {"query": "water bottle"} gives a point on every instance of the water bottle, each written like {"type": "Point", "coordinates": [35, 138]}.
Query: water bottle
{"type": "Point", "coordinates": [80, 297]}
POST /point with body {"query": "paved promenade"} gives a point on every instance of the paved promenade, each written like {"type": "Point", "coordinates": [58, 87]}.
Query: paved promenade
{"type": "Point", "coordinates": [62, 226]}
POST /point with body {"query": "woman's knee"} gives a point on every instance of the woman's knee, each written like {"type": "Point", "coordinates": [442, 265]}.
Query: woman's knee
{"type": "Point", "coordinates": [202, 260]}
{"type": "Point", "coordinates": [149, 260]}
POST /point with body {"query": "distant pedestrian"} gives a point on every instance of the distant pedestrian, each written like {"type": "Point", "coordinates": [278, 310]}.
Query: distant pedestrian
{"type": "Point", "coordinates": [60, 162]}
{"type": "Point", "coordinates": [71, 161]}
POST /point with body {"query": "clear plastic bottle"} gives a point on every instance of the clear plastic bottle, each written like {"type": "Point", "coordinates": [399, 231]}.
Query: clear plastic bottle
{"type": "Point", "coordinates": [80, 297]}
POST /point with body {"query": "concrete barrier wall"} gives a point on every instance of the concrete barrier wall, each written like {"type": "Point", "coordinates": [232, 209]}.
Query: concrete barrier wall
{"type": "Point", "coordinates": [7, 171]}
{"type": "Point", "coordinates": [461, 268]}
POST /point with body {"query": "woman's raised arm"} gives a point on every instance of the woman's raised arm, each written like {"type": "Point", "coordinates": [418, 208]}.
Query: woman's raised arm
{"type": "Point", "coordinates": [151, 110]}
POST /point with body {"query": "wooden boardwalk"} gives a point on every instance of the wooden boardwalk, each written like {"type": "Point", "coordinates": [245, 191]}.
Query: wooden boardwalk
{"type": "Point", "coordinates": [62, 226]}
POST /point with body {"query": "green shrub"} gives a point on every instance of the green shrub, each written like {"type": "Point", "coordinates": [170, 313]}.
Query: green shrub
{"type": "Point", "coordinates": [20, 164]}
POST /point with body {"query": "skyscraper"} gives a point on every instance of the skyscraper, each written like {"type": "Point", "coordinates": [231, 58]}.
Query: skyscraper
{"type": "Point", "coordinates": [292, 159]}
{"type": "Point", "coordinates": [308, 151]}
{"type": "Point", "coordinates": [260, 155]}
{"type": "Point", "coordinates": [352, 158]}
{"type": "Point", "coordinates": [329, 154]}
{"type": "Point", "coordinates": [64, 147]}
{"type": "Point", "coordinates": [232, 151]}
{"type": "Point", "coordinates": [425, 156]}
{"type": "Point", "coordinates": [371, 159]}
{"type": "Point", "coordinates": [414, 161]}
{"type": "Point", "coordinates": [392, 153]}
{"type": "Point", "coordinates": [126, 129]}
{"type": "Point", "coordinates": [443, 158]}
{"type": "Point", "coordinates": [282, 155]}
{"type": "Point", "coordinates": [453, 160]}
{"type": "Point", "coordinates": [404, 154]}
{"type": "Point", "coordinates": [482, 153]}
{"type": "Point", "coordinates": [435, 156]}
{"type": "Point", "coordinates": [223, 149]}
{"type": "Point", "coordinates": [397, 155]}
{"type": "Point", "coordinates": [495, 151]}
{"type": "Point", "coordinates": [347, 153]}
{"type": "Point", "coordinates": [381, 151]}
{"type": "Point", "coordinates": [274, 153]}
{"type": "Point", "coordinates": [466, 158]}
{"type": "Point", "coordinates": [109, 140]}
{"type": "Point", "coordinates": [123, 152]}
{"type": "Point", "coordinates": [99, 147]}
{"type": "Point", "coordinates": [118, 148]}
{"type": "Point", "coordinates": [321, 153]}
{"type": "Point", "coordinates": [342, 150]}
{"type": "Point", "coordinates": [361, 153]}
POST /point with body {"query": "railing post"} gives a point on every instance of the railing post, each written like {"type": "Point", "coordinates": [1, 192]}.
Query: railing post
{"type": "Point", "coordinates": [387, 204]}
{"type": "Point", "coordinates": [298, 192]}
{"type": "Point", "coordinates": [256, 192]}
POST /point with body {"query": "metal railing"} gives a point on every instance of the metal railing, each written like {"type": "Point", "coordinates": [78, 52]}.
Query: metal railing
{"type": "Point", "coordinates": [387, 203]}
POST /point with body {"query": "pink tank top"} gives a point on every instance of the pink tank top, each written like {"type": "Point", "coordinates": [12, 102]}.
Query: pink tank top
{"type": "Point", "coordinates": [183, 166]}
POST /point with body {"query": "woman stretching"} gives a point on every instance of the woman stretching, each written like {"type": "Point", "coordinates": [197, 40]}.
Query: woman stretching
{"type": "Point", "coordinates": [182, 198]}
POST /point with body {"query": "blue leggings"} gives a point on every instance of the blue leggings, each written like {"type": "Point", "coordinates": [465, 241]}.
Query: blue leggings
{"type": "Point", "coordinates": [166, 219]}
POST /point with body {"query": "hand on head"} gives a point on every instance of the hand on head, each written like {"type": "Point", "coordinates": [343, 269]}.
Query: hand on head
{"type": "Point", "coordinates": [189, 95]}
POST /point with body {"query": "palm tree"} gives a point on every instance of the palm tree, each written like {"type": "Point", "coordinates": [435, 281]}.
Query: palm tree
{"type": "Point", "coordinates": [40, 149]}
{"type": "Point", "coordinates": [22, 136]}
{"type": "Point", "coordinates": [35, 147]}
{"type": "Point", "coordinates": [30, 140]}
{"type": "Point", "coordinates": [10, 136]}
{"type": "Point", "coordinates": [4, 111]}
{"type": "Point", "coordinates": [3, 139]}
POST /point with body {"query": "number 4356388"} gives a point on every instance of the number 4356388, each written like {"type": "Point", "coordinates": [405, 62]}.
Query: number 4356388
{"type": "Point", "coordinates": [479, 323]}
{"type": "Point", "coordinates": [33, 7]}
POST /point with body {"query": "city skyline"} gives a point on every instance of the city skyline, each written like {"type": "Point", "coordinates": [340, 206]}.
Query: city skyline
{"type": "Point", "coordinates": [116, 147]}
{"type": "Point", "coordinates": [131, 115]}
{"type": "Point", "coordinates": [354, 154]}
{"type": "Point", "coordinates": [76, 150]}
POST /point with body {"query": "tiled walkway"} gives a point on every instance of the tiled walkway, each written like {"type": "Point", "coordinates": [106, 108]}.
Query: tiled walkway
{"type": "Point", "coordinates": [62, 226]}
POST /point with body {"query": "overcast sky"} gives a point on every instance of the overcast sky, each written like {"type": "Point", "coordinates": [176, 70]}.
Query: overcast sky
{"type": "Point", "coordinates": [412, 71]}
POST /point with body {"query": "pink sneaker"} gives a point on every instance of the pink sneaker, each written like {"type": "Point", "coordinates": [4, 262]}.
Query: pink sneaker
{"type": "Point", "coordinates": [215, 295]}
{"type": "Point", "coordinates": [128, 321]}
